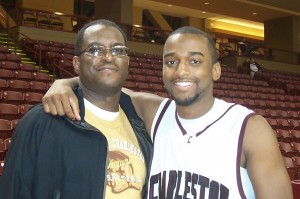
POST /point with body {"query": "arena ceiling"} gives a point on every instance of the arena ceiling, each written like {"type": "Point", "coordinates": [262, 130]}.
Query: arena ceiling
{"type": "Point", "coordinates": [251, 11]}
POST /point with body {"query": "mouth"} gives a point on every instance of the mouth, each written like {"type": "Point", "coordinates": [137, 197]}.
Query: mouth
{"type": "Point", "coordinates": [107, 68]}
{"type": "Point", "coordinates": [183, 84]}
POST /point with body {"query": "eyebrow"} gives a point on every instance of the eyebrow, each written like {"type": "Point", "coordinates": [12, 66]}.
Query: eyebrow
{"type": "Point", "coordinates": [190, 53]}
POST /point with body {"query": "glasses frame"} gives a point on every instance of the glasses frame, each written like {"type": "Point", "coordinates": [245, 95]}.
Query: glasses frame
{"type": "Point", "coordinates": [87, 51]}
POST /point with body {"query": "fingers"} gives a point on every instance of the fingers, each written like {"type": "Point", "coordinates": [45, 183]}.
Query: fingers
{"type": "Point", "coordinates": [61, 100]}
{"type": "Point", "coordinates": [75, 107]}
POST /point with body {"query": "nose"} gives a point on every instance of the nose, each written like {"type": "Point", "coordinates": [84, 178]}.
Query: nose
{"type": "Point", "coordinates": [108, 55]}
{"type": "Point", "coordinates": [183, 69]}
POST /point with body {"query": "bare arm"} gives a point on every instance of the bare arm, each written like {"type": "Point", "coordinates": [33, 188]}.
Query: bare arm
{"type": "Point", "coordinates": [146, 105]}
{"type": "Point", "coordinates": [264, 161]}
{"type": "Point", "coordinates": [60, 98]}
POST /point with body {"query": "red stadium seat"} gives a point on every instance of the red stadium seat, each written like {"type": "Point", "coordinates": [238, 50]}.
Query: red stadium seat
{"type": "Point", "coordinates": [25, 75]}
{"type": "Point", "coordinates": [283, 135]}
{"type": "Point", "coordinates": [27, 67]}
{"type": "Point", "coordinates": [9, 111]}
{"type": "Point", "coordinates": [33, 98]}
{"type": "Point", "coordinates": [4, 49]}
{"type": "Point", "coordinates": [40, 76]}
{"type": "Point", "coordinates": [296, 147]}
{"type": "Point", "coordinates": [286, 149]}
{"type": "Point", "coordinates": [295, 134]}
{"type": "Point", "coordinates": [282, 113]}
{"type": "Point", "coordinates": [271, 113]}
{"type": "Point", "coordinates": [2, 56]}
{"type": "Point", "coordinates": [23, 108]}
{"type": "Point", "coordinates": [10, 65]}
{"type": "Point", "coordinates": [38, 86]}
{"type": "Point", "coordinates": [158, 87]}
{"type": "Point", "coordinates": [13, 97]}
{"type": "Point", "coordinates": [5, 129]}
{"type": "Point", "coordinates": [13, 57]}
{"type": "Point", "coordinates": [273, 123]}
{"type": "Point", "coordinates": [6, 74]}
{"type": "Point", "coordinates": [17, 85]}
{"type": "Point", "coordinates": [3, 84]}
{"type": "Point", "coordinates": [283, 123]}
{"type": "Point", "coordinates": [130, 85]}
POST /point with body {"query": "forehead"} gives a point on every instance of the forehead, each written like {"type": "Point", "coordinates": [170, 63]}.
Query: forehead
{"type": "Point", "coordinates": [185, 43]}
{"type": "Point", "coordinates": [103, 35]}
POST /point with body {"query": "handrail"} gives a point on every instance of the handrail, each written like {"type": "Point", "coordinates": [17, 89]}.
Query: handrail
{"type": "Point", "coordinates": [28, 48]}
{"type": "Point", "coordinates": [57, 58]}
{"type": "Point", "coordinates": [6, 26]}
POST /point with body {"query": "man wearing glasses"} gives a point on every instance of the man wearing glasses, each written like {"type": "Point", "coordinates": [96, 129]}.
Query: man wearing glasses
{"type": "Point", "coordinates": [106, 154]}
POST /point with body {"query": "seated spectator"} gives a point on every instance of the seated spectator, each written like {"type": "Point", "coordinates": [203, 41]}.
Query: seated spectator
{"type": "Point", "coordinates": [254, 67]}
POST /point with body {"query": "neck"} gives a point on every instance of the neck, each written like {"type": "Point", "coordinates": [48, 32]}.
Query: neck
{"type": "Point", "coordinates": [102, 100]}
{"type": "Point", "coordinates": [197, 109]}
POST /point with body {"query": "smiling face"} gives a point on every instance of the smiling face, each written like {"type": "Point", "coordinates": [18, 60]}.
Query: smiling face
{"type": "Point", "coordinates": [106, 74]}
{"type": "Point", "coordinates": [188, 71]}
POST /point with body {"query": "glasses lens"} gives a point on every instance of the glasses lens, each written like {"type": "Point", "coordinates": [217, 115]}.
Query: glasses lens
{"type": "Point", "coordinates": [96, 51]}
{"type": "Point", "coordinates": [119, 50]}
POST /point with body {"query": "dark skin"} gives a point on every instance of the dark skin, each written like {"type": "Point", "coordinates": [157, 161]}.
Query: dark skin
{"type": "Point", "coordinates": [188, 74]}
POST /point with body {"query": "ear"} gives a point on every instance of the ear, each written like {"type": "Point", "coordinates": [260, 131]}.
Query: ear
{"type": "Point", "coordinates": [216, 71]}
{"type": "Point", "coordinates": [76, 64]}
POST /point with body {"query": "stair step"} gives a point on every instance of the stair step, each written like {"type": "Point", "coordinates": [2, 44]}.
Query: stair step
{"type": "Point", "coordinates": [5, 42]}
{"type": "Point", "coordinates": [25, 58]}
{"type": "Point", "coordinates": [29, 62]}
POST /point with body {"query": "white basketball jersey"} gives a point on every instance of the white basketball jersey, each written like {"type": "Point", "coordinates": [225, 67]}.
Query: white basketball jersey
{"type": "Point", "coordinates": [199, 158]}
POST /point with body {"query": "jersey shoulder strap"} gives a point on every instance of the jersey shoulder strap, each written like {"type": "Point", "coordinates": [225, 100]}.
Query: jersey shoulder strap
{"type": "Point", "coordinates": [160, 117]}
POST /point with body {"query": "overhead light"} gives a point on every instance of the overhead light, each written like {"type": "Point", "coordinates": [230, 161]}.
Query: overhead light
{"type": "Point", "coordinates": [254, 13]}
{"type": "Point", "coordinates": [206, 3]}
{"type": "Point", "coordinates": [203, 12]}
{"type": "Point", "coordinates": [169, 5]}
{"type": "Point", "coordinates": [58, 13]}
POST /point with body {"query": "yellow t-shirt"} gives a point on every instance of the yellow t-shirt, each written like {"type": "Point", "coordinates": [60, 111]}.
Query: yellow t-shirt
{"type": "Point", "coordinates": [126, 170]}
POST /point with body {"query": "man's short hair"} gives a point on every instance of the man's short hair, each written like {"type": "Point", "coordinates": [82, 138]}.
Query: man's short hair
{"type": "Point", "coordinates": [211, 41]}
{"type": "Point", "coordinates": [104, 22]}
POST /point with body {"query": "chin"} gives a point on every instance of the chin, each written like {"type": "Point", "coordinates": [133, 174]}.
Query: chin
{"type": "Point", "coordinates": [184, 101]}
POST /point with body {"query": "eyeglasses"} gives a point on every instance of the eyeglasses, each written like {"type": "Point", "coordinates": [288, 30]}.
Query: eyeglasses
{"type": "Point", "coordinates": [101, 51]}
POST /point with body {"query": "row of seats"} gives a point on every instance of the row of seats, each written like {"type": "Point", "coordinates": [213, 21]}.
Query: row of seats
{"type": "Point", "coordinates": [278, 113]}
{"type": "Point", "coordinates": [41, 19]}
{"type": "Point", "coordinates": [10, 57]}
{"type": "Point", "coordinates": [289, 149]}
{"type": "Point", "coordinates": [24, 75]}
{"type": "Point", "coordinates": [22, 85]}
{"type": "Point", "coordinates": [282, 123]}
{"type": "Point", "coordinates": [288, 136]}
{"type": "Point", "coordinates": [17, 66]}
{"type": "Point", "coordinates": [32, 42]}
{"type": "Point", "coordinates": [15, 97]}
{"type": "Point", "coordinates": [245, 81]}
{"type": "Point", "coordinates": [250, 92]}
{"type": "Point", "coordinates": [152, 66]}
{"type": "Point", "coordinates": [144, 55]}
{"type": "Point", "coordinates": [263, 103]}
{"type": "Point", "coordinates": [15, 111]}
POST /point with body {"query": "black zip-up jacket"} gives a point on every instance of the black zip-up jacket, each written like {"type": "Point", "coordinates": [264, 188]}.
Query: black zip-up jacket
{"type": "Point", "coordinates": [53, 157]}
